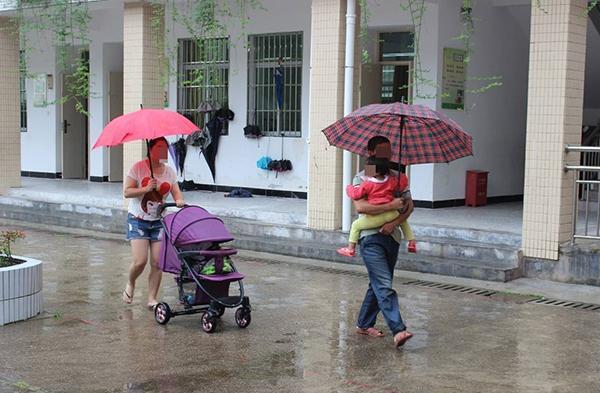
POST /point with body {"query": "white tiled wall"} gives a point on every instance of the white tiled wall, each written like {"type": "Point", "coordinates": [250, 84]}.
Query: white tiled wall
{"type": "Point", "coordinates": [141, 65]}
{"type": "Point", "coordinates": [326, 106]}
{"type": "Point", "coordinates": [10, 131]}
{"type": "Point", "coordinates": [554, 118]}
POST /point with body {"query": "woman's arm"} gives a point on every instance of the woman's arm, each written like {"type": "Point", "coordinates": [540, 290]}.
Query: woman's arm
{"type": "Point", "coordinates": [131, 190]}
{"type": "Point", "coordinates": [177, 195]}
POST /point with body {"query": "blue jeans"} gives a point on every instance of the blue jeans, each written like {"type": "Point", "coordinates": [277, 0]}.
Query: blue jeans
{"type": "Point", "coordinates": [142, 229]}
{"type": "Point", "coordinates": [379, 253]}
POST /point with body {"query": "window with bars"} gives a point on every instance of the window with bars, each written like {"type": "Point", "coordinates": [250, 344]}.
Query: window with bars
{"type": "Point", "coordinates": [23, 90]}
{"type": "Point", "coordinates": [203, 77]}
{"type": "Point", "coordinates": [266, 53]}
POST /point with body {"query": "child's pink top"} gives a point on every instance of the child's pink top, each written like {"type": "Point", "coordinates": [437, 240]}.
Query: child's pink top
{"type": "Point", "coordinates": [377, 191]}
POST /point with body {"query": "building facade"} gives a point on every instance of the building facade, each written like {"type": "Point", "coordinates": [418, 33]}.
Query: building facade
{"type": "Point", "coordinates": [519, 129]}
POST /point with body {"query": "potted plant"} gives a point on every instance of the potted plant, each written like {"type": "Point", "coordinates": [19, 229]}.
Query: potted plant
{"type": "Point", "coordinates": [20, 282]}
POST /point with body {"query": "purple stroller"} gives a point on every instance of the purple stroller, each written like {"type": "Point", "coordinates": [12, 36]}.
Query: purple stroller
{"type": "Point", "coordinates": [191, 244]}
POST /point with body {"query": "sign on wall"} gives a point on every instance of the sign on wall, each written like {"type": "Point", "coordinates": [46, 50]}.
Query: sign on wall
{"type": "Point", "coordinates": [39, 91]}
{"type": "Point", "coordinates": [453, 79]}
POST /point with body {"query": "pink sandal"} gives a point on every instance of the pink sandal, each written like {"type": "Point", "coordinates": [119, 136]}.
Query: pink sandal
{"type": "Point", "coordinates": [372, 332]}
{"type": "Point", "coordinates": [401, 338]}
{"type": "Point", "coordinates": [412, 246]}
{"type": "Point", "coordinates": [347, 252]}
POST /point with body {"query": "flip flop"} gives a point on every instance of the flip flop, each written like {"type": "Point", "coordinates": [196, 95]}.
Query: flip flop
{"type": "Point", "coordinates": [403, 340]}
{"type": "Point", "coordinates": [126, 297]}
{"type": "Point", "coordinates": [372, 332]}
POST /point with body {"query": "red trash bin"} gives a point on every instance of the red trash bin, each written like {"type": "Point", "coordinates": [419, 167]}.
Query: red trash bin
{"type": "Point", "coordinates": [476, 192]}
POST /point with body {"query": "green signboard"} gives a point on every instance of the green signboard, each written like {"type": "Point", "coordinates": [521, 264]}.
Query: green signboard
{"type": "Point", "coordinates": [453, 79]}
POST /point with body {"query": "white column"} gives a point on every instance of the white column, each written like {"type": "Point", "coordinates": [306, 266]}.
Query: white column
{"type": "Point", "coordinates": [98, 157]}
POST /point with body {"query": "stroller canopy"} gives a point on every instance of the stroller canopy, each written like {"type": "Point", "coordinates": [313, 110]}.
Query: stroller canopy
{"type": "Point", "coordinates": [193, 225]}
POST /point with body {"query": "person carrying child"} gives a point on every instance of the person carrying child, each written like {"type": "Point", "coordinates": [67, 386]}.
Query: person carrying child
{"type": "Point", "coordinates": [379, 188]}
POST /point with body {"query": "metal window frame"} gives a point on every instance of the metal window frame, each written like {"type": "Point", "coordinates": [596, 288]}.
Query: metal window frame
{"type": "Point", "coordinates": [187, 48]}
{"type": "Point", "coordinates": [262, 61]}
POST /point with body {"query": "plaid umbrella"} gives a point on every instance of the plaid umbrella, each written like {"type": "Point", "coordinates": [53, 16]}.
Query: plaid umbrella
{"type": "Point", "coordinates": [418, 134]}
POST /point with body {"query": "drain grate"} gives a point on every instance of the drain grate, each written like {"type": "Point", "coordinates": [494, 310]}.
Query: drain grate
{"type": "Point", "coordinates": [446, 287]}
{"type": "Point", "coordinates": [452, 287]}
{"type": "Point", "coordinates": [486, 292]}
{"type": "Point", "coordinates": [334, 271]}
{"type": "Point", "coordinates": [566, 304]}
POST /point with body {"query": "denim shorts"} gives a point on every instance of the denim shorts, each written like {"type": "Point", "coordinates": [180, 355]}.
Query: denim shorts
{"type": "Point", "coordinates": [142, 229]}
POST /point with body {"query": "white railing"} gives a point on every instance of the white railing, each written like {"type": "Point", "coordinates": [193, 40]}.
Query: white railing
{"type": "Point", "coordinates": [586, 186]}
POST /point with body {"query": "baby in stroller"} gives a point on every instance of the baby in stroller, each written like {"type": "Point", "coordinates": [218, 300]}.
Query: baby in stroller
{"type": "Point", "coordinates": [191, 250]}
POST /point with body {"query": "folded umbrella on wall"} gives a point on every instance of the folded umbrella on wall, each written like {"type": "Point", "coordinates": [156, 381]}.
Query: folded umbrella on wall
{"type": "Point", "coordinates": [144, 124]}
{"type": "Point", "coordinates": [180, 151]}
{"type": "Point", "coordinates": [278, 75]}
{"type": "Point", "coordinates": [418, 134]}
{"type": "Point", "coordinates": [173, 154]}
{"type": "Point", "coordinates": [214, 127]}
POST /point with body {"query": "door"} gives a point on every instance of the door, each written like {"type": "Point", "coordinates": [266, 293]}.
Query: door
{"type": "Point", "coordinates": [370, 84]}
{"type": "Point", "coordinates": [395, 85]}
{"type": "Point", "coordinates": [74, 140]}
{"type": "Point", "coordinates": [115, 109]}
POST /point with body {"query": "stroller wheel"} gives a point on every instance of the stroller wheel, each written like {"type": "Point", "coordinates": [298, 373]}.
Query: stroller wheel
{"type": "Point", "coordinates": [162, 313]}
{"type": "Point", "coordinates": [209, 322]}
{"type": "Point", "coordinates": [242, 317]}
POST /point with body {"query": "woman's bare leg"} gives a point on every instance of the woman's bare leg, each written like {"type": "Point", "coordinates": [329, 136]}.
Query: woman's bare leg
{"type": "Point", "coordinates": [139, 250]}
{"type": "Point", "coordinates": [155, 274]}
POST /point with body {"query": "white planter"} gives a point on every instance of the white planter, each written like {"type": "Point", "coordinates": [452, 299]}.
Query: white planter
{"type": "Point", "coordinates": [20, 291]}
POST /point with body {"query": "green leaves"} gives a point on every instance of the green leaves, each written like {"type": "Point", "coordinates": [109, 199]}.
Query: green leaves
{"type": "Point", "coordinates": [6, 239]}
{"type": "Point", "coordinates": [66, 22]}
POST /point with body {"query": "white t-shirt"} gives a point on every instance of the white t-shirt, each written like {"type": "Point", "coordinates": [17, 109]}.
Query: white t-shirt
{"type": "Point", "coordinates": [146, 207]}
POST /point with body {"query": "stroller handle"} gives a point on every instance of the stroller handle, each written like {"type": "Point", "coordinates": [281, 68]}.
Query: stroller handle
{"type": "Point", "coordinates": [164, 206]}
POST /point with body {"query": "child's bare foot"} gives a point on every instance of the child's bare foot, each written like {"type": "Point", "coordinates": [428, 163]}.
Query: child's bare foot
{"type": "Point", "coordinates": [412, 246]}
{"type": "Point", "coordinates": [346, 251]}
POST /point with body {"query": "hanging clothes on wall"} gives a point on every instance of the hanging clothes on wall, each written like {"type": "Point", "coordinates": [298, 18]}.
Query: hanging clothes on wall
{"type": "Point", "coordinates": [199, 139]}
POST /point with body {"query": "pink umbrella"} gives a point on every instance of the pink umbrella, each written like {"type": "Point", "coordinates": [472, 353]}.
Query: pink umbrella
{"type": "Point", "coordinates": [145, 124]}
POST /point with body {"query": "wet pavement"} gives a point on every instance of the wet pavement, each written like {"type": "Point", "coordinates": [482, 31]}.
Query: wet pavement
{"type": "Point", "coordinates": [301, 338]}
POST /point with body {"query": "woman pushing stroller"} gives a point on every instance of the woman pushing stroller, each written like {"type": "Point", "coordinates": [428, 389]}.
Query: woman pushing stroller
{"type": "Point", "coordinates": [147, 185]}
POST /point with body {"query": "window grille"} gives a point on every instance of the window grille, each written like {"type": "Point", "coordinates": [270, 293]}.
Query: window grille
{"type": "Point", "coordinates": [265, 52]}
{"type": "Point", "coordinates": [203, 77]}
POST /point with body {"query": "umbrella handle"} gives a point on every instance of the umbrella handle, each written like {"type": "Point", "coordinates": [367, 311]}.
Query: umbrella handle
{"type": "Point", "coordinates": [149, 160]}
{"type": "Point", "coordinates": [400, 171]}
{"type": "Point", "coordinates": [148, 152]}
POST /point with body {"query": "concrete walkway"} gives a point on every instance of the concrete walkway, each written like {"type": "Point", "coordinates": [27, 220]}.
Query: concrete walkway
{"type": "Point", "coordinates": [301, 338]}
{"type": "Point", "coordinates": [506, 217]}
